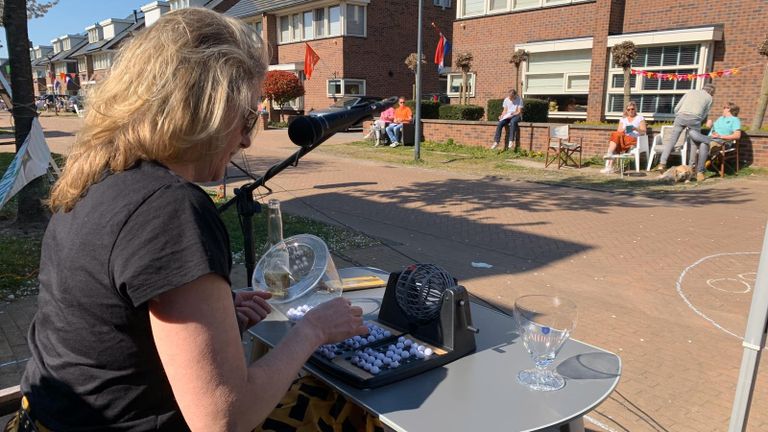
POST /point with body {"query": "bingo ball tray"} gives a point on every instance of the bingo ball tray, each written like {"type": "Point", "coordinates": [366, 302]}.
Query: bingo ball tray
{"type": "Point", "coordinates": [382, 356]}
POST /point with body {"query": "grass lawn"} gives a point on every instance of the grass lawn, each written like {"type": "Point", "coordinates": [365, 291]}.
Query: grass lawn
{"type": "Point", "coordinates": [20, 251]}
{"type": "Point", "coordinates": [521, 166]}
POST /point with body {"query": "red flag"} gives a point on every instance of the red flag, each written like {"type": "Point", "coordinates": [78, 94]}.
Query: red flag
{"type": "Point", "coordinates": [310, 60]}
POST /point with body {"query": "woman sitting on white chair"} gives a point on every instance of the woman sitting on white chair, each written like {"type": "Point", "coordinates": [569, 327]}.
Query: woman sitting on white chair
{"type": "Point", "coordinates": [631, 126]}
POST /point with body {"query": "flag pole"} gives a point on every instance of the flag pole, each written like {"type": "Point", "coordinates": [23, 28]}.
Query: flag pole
{"type": "Point", "coordinates": [417, 117]}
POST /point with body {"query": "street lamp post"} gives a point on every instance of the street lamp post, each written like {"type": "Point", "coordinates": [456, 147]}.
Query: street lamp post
{"type": "Point", "coordinates": [417, 117]}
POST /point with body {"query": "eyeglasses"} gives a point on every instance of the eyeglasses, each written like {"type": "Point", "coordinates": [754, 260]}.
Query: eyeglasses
{"type": "Point", "coordinates": [402, 101]}
{"type": "Point", "coordinates": [250, 121]}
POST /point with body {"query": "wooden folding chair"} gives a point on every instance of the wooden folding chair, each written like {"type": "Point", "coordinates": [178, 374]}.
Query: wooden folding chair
{"type": "Point", "coordinates": [726, 153]}
{"type": "Point", "coordinates": [562, 148]}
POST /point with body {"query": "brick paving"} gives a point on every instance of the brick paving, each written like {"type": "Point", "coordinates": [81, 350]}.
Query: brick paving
{"type": "Point", "coordinates": [620, 257]}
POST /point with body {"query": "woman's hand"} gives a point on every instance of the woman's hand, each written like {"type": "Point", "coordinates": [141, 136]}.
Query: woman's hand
{"type": "Point", "coordinates": [335, 320]}
{"type": "Point", "coordinates": [251, 307]}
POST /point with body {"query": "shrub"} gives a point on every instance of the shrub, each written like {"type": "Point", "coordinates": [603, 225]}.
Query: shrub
{"type": "Point", "coordinates": [535, 110]}
{"type": "Point", "coordinates": [461, 112]}
{"type": "Point", "coordinates": [495, 107]}
{"type": "Point", "coordinates": [429, 109]}
{"type": "Point", "coordinates": [282, 87]}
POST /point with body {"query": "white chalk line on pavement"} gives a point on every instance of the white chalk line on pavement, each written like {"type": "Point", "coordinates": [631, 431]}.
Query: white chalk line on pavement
{"type": "Point", "coordinates": [599, 424]}
{"type": "Point", "coordinates": [679, 289]}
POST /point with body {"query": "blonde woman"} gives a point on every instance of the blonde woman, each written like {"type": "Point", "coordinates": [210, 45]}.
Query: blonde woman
{"type": "Point", "coordinates": [136, 327]}
{"type": "Point", "coordinates": [631, 126]}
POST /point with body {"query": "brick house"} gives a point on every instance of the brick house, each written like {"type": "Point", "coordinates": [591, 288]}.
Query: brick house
{"type": "Point", "coordinates": [63, 64]}
{"type": "Point", "coordinates": [569, 44]}
{"type": "Point", "coordinates": [104, 38]}
{"type": "Point", "coordinates": [39, 56]}
{"type": "Point", "coordinates": [362, 44]}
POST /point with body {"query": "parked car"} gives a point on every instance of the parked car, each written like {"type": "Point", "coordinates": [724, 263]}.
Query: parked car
{"type": "Point", "coordinates": [347, 102]}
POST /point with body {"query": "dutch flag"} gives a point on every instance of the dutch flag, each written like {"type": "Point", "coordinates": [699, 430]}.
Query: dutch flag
{"type": "Point", "coordinates": [443, 49]}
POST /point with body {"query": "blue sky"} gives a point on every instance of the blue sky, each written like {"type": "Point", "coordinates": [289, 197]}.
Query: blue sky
{"type": "Point", "coordinates": [73, 16]}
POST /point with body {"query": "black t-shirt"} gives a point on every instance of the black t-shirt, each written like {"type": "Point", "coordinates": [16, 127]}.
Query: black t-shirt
{"type": "Point", "coordinates": [134, 235]}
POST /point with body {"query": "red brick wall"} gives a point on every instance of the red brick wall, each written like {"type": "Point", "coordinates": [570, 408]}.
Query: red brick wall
{"type": "Point", "coordinates": [534, 136]}
{"type": "Point", "coordinates": [491, 41]}
{"type": "Point", "coordinates": [738, 47]}
{"type": "Point", "coordinates": [378, 58]}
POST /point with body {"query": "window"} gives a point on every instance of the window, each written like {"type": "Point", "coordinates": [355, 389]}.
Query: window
{"type": "Point", "coordinates": [469, 8]}
{"type": "Point", "coordinates": [94, 35]}
{"type": "Point", "coordinates": [285, 29]}
{"type": "Point", "coordinates": [257, 27]}
{"type": "Point", "coordinates": [454, 84]}
{"type": "Point", "coordinates": [355, 20]}
{"type": "Point", "coordinates": [442, 3]}
{"type": "Point", "coordinates": [82, 64]}
{"type": "Point", "coordinates": [319, 22]}
{"type": "Point", "coordinates": [179, 4]}
{"type": "Point", "coordinates": [654, 95]}
{"type": "Point", "coordinates": [346, 87]}
{"type": "Point", "coordinates": [334, 21]}
{"type": "Point", "coordinates": [309, 21]}
{"type": "Point", "coordinates": [296, 26]}
{"type": "Point", "coordinates": [60, 69]}
{"type": "Point", "coordinates": [342, 19]}
{"type": "Point", "coordinates": [561, 77]}
{"type": "Point", "coordinates": [472, 7]}
{"type": "Point", "coordinates": [66, 45]}
{"type": "Point", "coordinates": [56, 48]}
{"type": "Point", "coordinates": [497, 5]}
{"type": "Point", "coordinates": [102, 61]}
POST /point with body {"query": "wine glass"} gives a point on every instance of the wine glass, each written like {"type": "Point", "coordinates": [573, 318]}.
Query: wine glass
{"type": "Point", "coordinates": [545, 323]}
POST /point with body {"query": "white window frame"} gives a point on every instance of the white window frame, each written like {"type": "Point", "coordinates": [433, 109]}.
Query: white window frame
{"type": "Point", "coordinates": [703, 37]}
{"type": "Point", "coordinates": [511, 6]}
{"type": "Point", "coordinates": [471, 81]}
{"type": "Point", "coordinates": [102, 61]}
{"type": "Point", "coordinates": [343, 84]}
{"type": "Point", "coordinates": [82, 64]}
{"type": "Point", "coordinates": [567, 76]}
{"type": "Point", "coordinates": [325, 25]}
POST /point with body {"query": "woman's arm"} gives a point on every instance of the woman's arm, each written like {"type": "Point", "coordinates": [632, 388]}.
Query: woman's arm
{"type": "Point", "coordinates": [197, 338]}
{"type": "Point", "coordinates": [620, 127]}
{"type": "Point", "coordinates": [642, 128]}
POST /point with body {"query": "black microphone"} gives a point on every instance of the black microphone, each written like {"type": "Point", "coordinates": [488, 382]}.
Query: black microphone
{"type": "Point", "coordinates": [309, 129]}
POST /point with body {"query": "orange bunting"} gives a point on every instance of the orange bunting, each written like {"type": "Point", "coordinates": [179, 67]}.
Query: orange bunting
{"type": "Point", "coordinates": [684, 77]}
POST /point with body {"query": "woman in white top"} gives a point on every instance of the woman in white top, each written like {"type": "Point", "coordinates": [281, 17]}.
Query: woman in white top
{"type": "Point", "coordinates": [631, 126]}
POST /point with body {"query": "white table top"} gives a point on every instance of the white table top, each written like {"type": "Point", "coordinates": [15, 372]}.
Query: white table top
{"type": "Point", "coordinates": [478, 392]}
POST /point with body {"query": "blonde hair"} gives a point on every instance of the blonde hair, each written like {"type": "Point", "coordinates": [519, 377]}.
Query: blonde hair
{"type": "Point", "coordinates": [630, 104]}
{"type": "Point", "coordinates": [175, 92]}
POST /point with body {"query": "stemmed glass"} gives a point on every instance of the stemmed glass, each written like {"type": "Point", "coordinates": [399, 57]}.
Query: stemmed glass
{"type": "Point", "coordinates": [545, 323]}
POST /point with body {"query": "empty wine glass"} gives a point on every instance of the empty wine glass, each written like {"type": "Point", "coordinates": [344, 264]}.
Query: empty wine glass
{"type": "Point", "coordinates": [545, 323]}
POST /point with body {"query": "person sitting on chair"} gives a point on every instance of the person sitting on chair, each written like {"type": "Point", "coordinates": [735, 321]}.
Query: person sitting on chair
{"type": "Point", "coordinates": [403, 115]}
{"type": "Point", "coordinates": [385, 118]}
{"type": "Point", "coordinates": [631, 126]}
{"type": "Point", "coordinates": [725, 128]}
{"type": "Point", "coordinates": [510, 115]}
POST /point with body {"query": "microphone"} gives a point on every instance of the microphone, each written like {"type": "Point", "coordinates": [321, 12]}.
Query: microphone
{"type": "Point", "coordinates": [310, 129]}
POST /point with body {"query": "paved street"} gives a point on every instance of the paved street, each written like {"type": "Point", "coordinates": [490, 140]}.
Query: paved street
{"type": "Point", "coordinates": [664, 283]}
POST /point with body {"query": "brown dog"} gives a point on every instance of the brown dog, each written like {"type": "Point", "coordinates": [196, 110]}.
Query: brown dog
{"type": "Point", "coordinates": [676, 174]}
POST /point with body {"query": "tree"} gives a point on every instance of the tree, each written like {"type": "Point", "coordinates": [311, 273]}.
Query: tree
{"type": "Point", "coordinates": [464, 62]}
{"type": "Point", "coordinates": [412, 63]}
{"type": "Point", "coordinates": [281, 87]}
{"type": "Point", "coordinates": [518, 57]}
{"type": "Point", "coordinates": [623, 54]}
{"type": "Point", "coordinates": [762, 100]}
{"type": "Point", "coordinates": [14, 18]}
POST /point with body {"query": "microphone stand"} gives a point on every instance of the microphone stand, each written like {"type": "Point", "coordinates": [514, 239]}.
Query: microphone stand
{"type": "Point", "coordinates": [247, 206]}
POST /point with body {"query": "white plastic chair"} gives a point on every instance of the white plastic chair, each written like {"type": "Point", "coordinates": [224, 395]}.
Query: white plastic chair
{"type": "Point", "coordinates": [640, 147]}
{"type": "Point", "coordinates": [680, 148]}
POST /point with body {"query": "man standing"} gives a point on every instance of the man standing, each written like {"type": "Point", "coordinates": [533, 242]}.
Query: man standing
{"type": "Point", "coordinates": [403, 115]}
{"type": "Point", "coordinates": [690, 112]}
{"type": "Point", "coordinates": [510, 115]}
{"type": "Point", "coordinates": [726, 128]}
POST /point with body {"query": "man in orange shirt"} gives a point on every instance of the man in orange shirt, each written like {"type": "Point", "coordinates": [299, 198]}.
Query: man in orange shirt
{"type": "Point", "coordinates": [403, 115]}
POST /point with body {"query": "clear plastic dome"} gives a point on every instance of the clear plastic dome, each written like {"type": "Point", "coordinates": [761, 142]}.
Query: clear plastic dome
{"type": "Point", "coordinates": [300, 274]}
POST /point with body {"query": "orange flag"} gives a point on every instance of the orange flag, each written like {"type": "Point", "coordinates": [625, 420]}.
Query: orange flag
{"type": "Point", "coordinates": [310, 60]}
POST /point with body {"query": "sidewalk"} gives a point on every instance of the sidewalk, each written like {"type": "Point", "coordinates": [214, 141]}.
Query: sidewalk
{"type": "Point", "coordinates": [665, 283]}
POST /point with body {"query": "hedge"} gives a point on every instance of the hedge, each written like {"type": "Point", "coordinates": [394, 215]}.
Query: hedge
{"type": "Point", "coordinates": [534, 110]}
{"type": "Point", "coordinates": [461, 112]}
{"type": "Point", "coordinates": [429, 109]}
